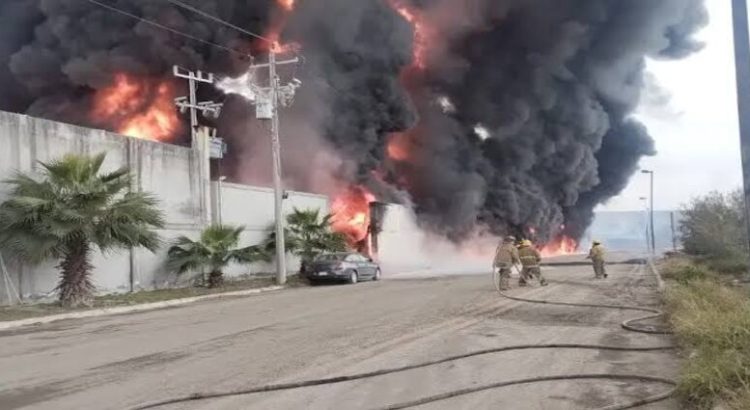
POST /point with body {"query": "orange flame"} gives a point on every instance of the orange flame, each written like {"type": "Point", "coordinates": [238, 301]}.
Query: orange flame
{"type": "Point", "coordinates": [287, 5]}
{"type": "Point", "coordinates": [397, 147]}
{"type": "Point", "coordinates": [351, 213]}
{"type": "Point", "coordinates": [420, 32]}
{"type": "Point", "coordinates": [138, 108]}
{"type": "Point", "coordinates": [278, 48]}
{"type": "Point", "coordinates": [561, 246]}
{"type": "Point", "coordinates": [276, 26]}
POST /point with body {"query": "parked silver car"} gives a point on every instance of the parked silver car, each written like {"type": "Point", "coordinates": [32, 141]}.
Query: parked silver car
{"type": "Point", "coordinates": [351, 267]}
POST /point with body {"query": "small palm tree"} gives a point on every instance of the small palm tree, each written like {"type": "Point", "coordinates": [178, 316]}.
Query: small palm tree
{"type": "Point", "coordinates": [73, 208]}
{"type": "Point", "coordinates": [307, 235]}
{"type": "Point", "coordinates": [215, 249]}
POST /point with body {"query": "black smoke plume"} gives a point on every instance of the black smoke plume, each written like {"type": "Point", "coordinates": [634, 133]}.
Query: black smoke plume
{"type": "Point", "coordinates": [552, 83]}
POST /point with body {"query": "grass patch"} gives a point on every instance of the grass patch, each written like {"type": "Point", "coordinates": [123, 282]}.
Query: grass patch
{"type": "Point", "coordinates": [712, 323]}
{"type": "Point", "coordinates": [8, 313]}
{"type": "Point", "coordinates": [682, 270]}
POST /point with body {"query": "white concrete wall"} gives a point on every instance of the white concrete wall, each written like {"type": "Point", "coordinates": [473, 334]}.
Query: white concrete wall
{"type": "Point", "coordinates": [168, 171]}
{"type": "Point", "coordinates": [164, 170]}
{"type": "Point", "coordinates": [253, 208]}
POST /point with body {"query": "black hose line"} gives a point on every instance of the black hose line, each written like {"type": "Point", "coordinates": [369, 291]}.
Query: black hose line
{"type": "Point", "coordinates": [628, 325]}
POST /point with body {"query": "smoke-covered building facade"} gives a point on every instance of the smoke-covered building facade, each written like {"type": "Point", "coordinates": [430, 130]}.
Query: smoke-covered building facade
{"type": "Point", "coordinates": [497, 116]}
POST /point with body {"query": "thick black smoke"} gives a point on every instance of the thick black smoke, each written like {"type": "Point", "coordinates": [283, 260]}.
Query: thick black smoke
{"type": "Point", "coordinates": [552, 81]}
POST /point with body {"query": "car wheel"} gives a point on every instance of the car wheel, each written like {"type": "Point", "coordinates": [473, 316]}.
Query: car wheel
{"type": "Point", "coordinates": [353, 277]}
{"type": "Point", "coordinates": [377, 275]}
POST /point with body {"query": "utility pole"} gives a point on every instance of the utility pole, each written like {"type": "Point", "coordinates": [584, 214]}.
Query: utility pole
{"type": "Point", "coordinates": [267, 101]}
{"type": "Point", "coordinates": [191, 101]}
{"type": "Point", "coordinates": [207, 108]}
{"type": "Point", "coordinates": [742, 64]}
{"type": "Point", "coordinates": [278, 189]}
{"type": "Point", "coordinates": [651, 212]}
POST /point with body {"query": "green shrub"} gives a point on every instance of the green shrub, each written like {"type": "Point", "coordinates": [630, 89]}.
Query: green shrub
{"type": "Point", "coordinates": [731, 264]}
{"type": "Point", "coordinates": [714, 225]}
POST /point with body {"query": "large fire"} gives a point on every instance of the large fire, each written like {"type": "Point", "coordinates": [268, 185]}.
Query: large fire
{"type": "Point", "coordinates": [561, 246]}
{"type": "Point", "coordinates": [420, 32]}
{"type": "Point", "coordinates": [351, 213]}
{"type": "Point", "coordinates": [138, 107]}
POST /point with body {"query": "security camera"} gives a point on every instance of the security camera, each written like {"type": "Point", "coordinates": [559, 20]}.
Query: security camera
{"type": "Point", "coordinates": [296, 82]}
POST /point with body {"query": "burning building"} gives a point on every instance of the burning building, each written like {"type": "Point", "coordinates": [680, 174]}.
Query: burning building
{"type": "Point", "coordinates": [500, 115]}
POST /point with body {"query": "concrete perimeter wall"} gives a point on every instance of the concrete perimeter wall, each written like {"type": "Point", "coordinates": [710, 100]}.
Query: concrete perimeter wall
{"type": "Point", "coordinates": [170, 172]}
{"type": "Point", "coordinates": [253, 208]}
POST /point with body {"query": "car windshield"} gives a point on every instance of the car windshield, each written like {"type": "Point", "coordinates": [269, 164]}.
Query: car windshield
{"type": "Point", "coordinates": [331, 257]}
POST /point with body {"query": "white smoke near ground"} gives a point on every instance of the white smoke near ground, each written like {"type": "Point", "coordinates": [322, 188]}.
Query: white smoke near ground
{"type": "Point", "coordinates": [407, 250]}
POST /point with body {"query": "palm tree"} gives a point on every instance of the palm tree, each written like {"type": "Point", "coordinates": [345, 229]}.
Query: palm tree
{"type": "Point", "coordinates": [215, 249]}
{"type": "Point", "coordinates": [307, 235]}
{"type": "Point", "coordinates": [71, 210]}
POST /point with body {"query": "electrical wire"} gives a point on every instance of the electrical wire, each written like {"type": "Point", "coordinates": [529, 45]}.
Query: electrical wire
{"type": "Point", "coordinates": [628, 325]}
{"type": "Point", "coordinates": [213, 18]}
{"type": "Point", "coordinates": [218, 20]}
{"type": "Point", "coordinates": [171, 30]}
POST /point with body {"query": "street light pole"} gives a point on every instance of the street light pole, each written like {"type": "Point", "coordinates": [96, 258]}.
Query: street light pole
{"type": "Point", "coordinates": [651, 211]}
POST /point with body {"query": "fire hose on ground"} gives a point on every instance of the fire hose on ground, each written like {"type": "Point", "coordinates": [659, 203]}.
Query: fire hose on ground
{"type": "Point", "coordinates": [627, 325]}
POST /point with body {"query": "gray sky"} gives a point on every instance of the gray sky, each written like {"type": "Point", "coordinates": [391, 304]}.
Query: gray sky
{"type": "Point", "coordinates": [690, 109]}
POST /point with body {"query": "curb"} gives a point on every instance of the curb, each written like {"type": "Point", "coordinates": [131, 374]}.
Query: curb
{"type": "Point", "coordinates": [118, 310]}
{"type": "Point", "coordinates": [659, 281]}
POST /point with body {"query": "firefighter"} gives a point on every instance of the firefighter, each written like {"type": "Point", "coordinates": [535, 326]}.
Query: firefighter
{"type": "Point", "coordinates": [530, 259]}
{"type": "Point", "coordinates": [506, 256]}
{"type": "Point", "coordinates": [596, 254]}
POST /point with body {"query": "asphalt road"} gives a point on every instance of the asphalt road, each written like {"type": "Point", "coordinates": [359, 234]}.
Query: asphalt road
{"type": "Point", "coordinates": [118, 362]}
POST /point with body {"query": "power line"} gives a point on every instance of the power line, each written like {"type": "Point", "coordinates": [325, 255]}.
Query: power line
{"type": "Point", "coordinates": [171, 30]}
{"type": "Point", "coordinates": [185, 6]}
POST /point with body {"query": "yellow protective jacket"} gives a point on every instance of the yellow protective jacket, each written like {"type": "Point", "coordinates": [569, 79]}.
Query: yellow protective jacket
{"type": "Point", "coordinates": [597, 253]}
{"type": "Point", "coordinates": [530, 257]}
{"type": "Point", "coordinates": [506, 255]}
